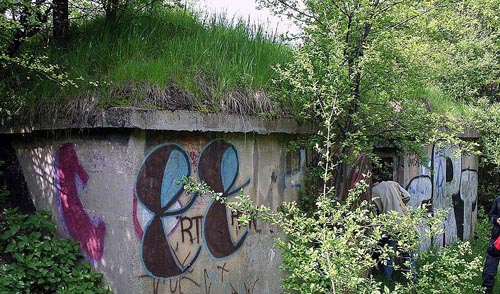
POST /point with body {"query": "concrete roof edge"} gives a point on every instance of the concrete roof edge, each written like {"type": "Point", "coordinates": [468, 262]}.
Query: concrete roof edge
{"type": "Point", "coordinates": [470, 133]}
{"type": "Point", "coordinates": [148, 119]}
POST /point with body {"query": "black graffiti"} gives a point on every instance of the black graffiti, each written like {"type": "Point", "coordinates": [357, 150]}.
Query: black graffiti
{"type": "Point", "coordinates": [222, 270]}
{"type": "Point", "coordinates": [191, 226]}
{"type": "Point", "coordinates": [187, 227]}
{"type": "Point", "coordinates": [235, 215]}
{"type": "Point", "coordinates": [444, 173]}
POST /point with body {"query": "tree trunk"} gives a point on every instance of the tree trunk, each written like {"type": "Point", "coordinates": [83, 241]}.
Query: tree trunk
{"type": "Point", "coordinates": [111, 10]}
{"type": "Point", "coordinates": [60, 19]}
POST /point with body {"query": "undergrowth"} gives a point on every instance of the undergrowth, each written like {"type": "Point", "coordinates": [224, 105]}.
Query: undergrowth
{"type": "Point", "coordinates": [34, 260]}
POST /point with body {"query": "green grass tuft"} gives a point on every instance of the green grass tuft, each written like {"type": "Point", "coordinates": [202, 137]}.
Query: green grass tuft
{"type": "Point", "coordinates": [207, 56]}
{"type": "Point", "coordinates": [441, 103]}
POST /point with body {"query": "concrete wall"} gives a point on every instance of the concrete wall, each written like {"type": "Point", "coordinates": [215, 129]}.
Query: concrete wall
{"type": "Point", "coordinates": [116, 192]}
{"type": "Point", "coordinates": [446, 181]}
{"type": "Point", "coordinates": [113, 187]}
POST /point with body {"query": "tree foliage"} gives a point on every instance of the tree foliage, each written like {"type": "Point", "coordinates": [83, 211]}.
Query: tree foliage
{"type": "Point", "coordinates": [367, 72]}
{"type": "Point", "coordinates": [365, 69]}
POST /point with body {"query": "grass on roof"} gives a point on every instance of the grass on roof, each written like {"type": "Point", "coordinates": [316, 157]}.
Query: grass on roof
{"type": "Point", "coordinates": [440, 102]}
{"type": "Point", "coordinates": [170, 59]}
{"type": "Point", "coordinates": [161, 53]}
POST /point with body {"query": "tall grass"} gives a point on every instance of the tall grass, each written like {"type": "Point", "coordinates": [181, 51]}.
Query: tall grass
{"type": "Point", "coordinates": [442, 103]}
{"type": "Point", "coordinates": [205, 55]}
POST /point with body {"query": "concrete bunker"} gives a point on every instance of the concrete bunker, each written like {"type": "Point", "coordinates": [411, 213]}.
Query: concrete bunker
{"type": "Point", "coordinates": [111, 182]}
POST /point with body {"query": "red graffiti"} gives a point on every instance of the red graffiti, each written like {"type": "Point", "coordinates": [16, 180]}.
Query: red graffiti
{"type": "Point", "coordinates": [194, 159]}
{"type": "Point", "coordinates": [88, 232]}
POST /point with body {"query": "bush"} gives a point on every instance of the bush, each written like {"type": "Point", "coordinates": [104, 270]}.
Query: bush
{"type": "Point", "coordinates": [34, 260]}
{"type": "Point", "coordinates": [331, 249]}
{"type": "Point", "coordinates": [452, 269]}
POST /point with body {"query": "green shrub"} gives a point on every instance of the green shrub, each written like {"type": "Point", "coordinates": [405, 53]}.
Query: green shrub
{"type": "Point", "coordinates": [34, 260]}
{"type": "Point", "coordinates": [452, 269]}
{"type": "Point", "coordinates": [331, 248]}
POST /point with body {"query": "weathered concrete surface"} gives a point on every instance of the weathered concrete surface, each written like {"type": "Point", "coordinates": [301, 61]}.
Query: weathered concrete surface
{"type": "Point", "coordinates": [117, 194]}
{"type": "Point", "coordinates": [147, 119]}
{"type": "Point", "coordinates": [113, 187]}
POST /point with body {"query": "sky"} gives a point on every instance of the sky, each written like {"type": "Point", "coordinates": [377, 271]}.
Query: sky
{"type": "Point", "coordinates": [248, 9]}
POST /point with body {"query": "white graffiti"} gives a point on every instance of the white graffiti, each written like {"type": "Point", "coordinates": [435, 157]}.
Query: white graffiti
{"type": "Point", "coordinates": [446, 185]}
{"type": "Point", "coordinates": [468, 193]}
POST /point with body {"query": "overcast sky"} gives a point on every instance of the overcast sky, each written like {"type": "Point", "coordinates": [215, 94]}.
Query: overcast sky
{"type": "Point", "coordinates": [247, 9]}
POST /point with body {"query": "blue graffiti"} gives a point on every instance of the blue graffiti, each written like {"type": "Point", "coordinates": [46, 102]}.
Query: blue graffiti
{"type": "Point", "coordinates": [218, 167]}
{"type": "Point", "coordinates": [440, 177]}
{"type": "Point", "coordinates": [292, 178]}
{"type": "Point", "coordinates": [158, 190]}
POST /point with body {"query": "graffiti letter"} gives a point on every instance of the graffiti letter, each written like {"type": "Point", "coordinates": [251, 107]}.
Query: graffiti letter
{"type": "Point", "coordinates": [186, 230]}
{"type": "Point", "coordinates": [158, 189]}
{"type": "Point", "coordinates": [218, 167]}
{"type": "Point", "coordinates": [89, 233]}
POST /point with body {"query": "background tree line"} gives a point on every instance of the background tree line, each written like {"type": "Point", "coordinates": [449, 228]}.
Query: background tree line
{"type": "Point", "coordinates": [375, 72]}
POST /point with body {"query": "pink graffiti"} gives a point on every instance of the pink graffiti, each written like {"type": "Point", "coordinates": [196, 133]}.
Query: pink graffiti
{"type": "Point", "coordinates": [88, 232]}
{"type": "Point", "coordinates": [135, 219]}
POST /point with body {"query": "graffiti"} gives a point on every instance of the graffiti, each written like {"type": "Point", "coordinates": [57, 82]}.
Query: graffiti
{"type": "Point", "coordinates": [194, 159]}
{"type": "Point", "coordinates": [141, 218]}
{"type": "Point", "coordinates": [176, 285]}
{"type": "Point", "coordinates": [420, 189]}
{"type": "Point", "coordinates": [292, 178]}
{"type": "Point", "coordinates": [447, 185]}
{"type": "Point", "coordinates": [88, 232]}
{"type": "Point", "coordinates": [468, 195]}
{"type": "Point", "coordinates": [235, 215]}
{"type": "Point", "coordinates": [164, 209]}
{"type": "Point", "coordinates": [218, 167]}
{"type": "Point", "coordinates": [158, 189]}
{"type": "Point", "coordinates": [187, 227]}
{"type": "Point", "coordinates": [98, 161]}
{"type": "Point", "coordinates": [222, 270]}
{"type": "Point", "coordinates": [209, 278]}
{"type": "Point", "coordinates": [212, 282]}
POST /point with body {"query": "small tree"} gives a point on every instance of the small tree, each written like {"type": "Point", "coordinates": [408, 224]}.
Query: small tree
{"type": "Point", "coordinates": [365, 71]}
{"type": "Point", "coordinates": [333, 248]}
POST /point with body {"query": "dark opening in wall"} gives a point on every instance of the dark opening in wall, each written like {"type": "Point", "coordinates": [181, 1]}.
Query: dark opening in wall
{"type": "Point", "coordinates": [384, 170]}
{"type": "Point", "coordinates": [12, 179]}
